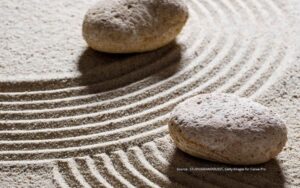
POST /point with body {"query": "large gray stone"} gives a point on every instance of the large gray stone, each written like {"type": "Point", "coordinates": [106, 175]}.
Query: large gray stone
{"type": "Point", "coordinates": [126, 26]}
{"type": "Point", "coordinates": [228, 129]}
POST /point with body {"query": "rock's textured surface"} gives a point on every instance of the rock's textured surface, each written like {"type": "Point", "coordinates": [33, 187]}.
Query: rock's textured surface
{"type": "Point", "coordinates": [125, 26]}
{"type": "Point", "coordinates": [227, 128]}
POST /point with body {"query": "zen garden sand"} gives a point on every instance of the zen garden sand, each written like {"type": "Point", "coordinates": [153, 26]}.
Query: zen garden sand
{"type": "Point", "coordinates": [74, 117]}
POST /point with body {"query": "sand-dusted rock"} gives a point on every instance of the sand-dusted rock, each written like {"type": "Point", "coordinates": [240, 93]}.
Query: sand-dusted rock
{"type": "Point", "coordinates": [127, 26]}
{"type": "Point", "coordinates": [228, 129]}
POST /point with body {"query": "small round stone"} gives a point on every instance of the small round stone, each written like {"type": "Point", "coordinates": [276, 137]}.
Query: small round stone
{"type": "Point", "coordinates": [128, 26]}
{"type": "Point", "coordinates": [228, 129]}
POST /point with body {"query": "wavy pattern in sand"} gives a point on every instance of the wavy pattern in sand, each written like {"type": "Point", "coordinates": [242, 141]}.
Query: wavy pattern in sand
{"type": "Point", "coordinates": [102, 127]}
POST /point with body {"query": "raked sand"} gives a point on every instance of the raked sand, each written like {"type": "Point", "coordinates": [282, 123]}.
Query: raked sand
{"type": "Point", "coordinates": [72, 117]}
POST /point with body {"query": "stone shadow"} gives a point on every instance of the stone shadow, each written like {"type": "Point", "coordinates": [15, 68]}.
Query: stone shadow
{"type": "Point", "coordinates": [192, 172]}
{"type": "Point", "coordinates": [102, 71]}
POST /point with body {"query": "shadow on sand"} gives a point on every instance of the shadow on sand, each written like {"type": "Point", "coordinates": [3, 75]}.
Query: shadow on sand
{"type": "Point", "coordinates": [193, 172]}
{"type": "Point", "coordinates": [102, 72]}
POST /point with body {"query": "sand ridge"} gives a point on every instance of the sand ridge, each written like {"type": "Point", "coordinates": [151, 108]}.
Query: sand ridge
{"type": "Point", "coordinates": [101, 119]}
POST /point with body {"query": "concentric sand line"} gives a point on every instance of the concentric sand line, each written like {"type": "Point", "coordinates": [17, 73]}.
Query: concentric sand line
{"type": "Point", "coordinates": [59, 179]}
{"type": "Point", "coordinates": [79, 128]}
{"type": "Point", "coordinates": [158, 165]}
{"type": "Point", "coordinates": [110, 93]}
{"type": "Point", "coordinates": [87, 88]}
{"type": "Point", "coordinates": [145, 167]}
{"type": "Point", "coordinates": [244, 185]}
{"type": "Point", "coordinates": [111, 131]}
{"type": "Point", "coordinates": [74, 140]}
{"type": "Point", "coordinates": [65, 112]}
{"type": "Point", "coordinates": [137, 179]}
{"type": "Point", "coordinates": [103, 96]}
{"type": "Point", "coordinates": [26, 147]}
{"type": "Point", "coordinates": [228, 179]}
{"type": "Point", "coordinates": [88, 165]}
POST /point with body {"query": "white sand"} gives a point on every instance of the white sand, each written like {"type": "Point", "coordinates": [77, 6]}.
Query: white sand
{"type": "Point", "coordinates": [73, 117]}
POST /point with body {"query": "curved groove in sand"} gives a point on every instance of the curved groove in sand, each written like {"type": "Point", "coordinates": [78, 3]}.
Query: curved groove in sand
{"type": "Point", "coordinates": [229, 86]}
{"type": "Point", "coordinates": [234, 83]}
{"type": "Point", "coordinates": [163, 165]}
{"type": "Point", "coordinates": [232, 179]}
{"type": "Point", "coordinates": [31, 142]}
{"type": "Point", "coordinates": [27, 122]}
{"type": "Point", "coordinates": [90, 136]}
{"type": "Point", "coordinates": [14, 95]}
{"type": "Point", "coordinates": [60, 140]}
{"type": "Point", "coordinates": [153, 169]}
{"type": "Point", "coordinates": [212, 180]}
{"type": "Point", "coordinates": [15, 113]}
{"type": "Point", "coordinates": [73, 122]}
{"type": "Point", "coordinates": [110, 167]}
{"type": "Point", "coordinates": [19, 114]}
{"type": "Point", "coordinates": [95, 166]}
{"type": "Point", "coordinates": [272, 79]}
{"type": "Point", "coordinates": [105, 136]}
{"type": "Point", "coordinates": [73, 117]}
{"type": "Point", "coordinates": [76, 173]}
{"type": "Point", "coordinates": [170, 80]}
{"type": "Point", "coordinates": [139, 155]}
{"type": "Point", "coordinates": [267, 68]}
{"type": "Point", "coordinates": [59, 180]}
{"type": "Point", "coordinates": [37, 131]}
{"type": "Point", "coordinates": [128, 61]}
{"type": "Point", "coordinates": [225, 60]}
{"type": "Point", "coordinates": [74, 139]}
{"type": "Point", "coordinates": [66, 173]}
{"type": "Point", "coordinates": [81, 150]}
{"type": "Point", "coordinates": [101, 95]}
{"type": "Point", "coordinates": [130, 169]}
{"type": "Point", "coordinates": [47, 130]}
{"type": "Point", "coordinates": [92, 168]}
